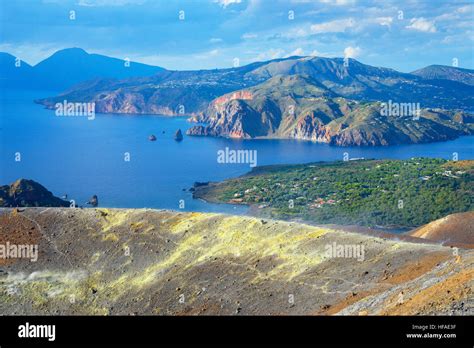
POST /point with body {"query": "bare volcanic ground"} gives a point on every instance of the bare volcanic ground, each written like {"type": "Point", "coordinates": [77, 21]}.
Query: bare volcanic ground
{"type": "Point", "coordinates": [455, 229]}
{"type": "Point", "coordinates": [119, 261]}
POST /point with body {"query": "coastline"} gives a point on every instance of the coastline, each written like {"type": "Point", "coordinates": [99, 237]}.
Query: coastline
{"type": "Point", "coordinates": [264, 194]}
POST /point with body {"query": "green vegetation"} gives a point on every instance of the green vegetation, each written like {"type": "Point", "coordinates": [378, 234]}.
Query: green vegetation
{"type": "Point", "coordinates": [364, 192]}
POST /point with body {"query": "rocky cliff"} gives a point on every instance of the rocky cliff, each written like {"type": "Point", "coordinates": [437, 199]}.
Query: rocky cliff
{"type": "Point", "coordinates": [28, 193]}
{"type": "Point", "coordinates": [299, 107]}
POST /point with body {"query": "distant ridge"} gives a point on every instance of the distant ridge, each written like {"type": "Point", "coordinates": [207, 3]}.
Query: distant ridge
{"type": "Point", "coordinates": [14, 72]}
{"type": "Point", "coordinates": [442, 72]}
{"type": "Point", "coordinates": [163, 92]}
{"type": "Point", "coordinates": [337, 101]}
{"type": "Point", "coordinates": [68, 67]}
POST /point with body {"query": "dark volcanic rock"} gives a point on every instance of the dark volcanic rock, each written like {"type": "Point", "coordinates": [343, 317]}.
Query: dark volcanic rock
{"type": "Point", "coordinates": [178, 136]}
{"type": "Point", "coordinates": [94, 201]}
{"type": "Point", "coordinates": [28, 193]}
{"type": "Point", "coordinates": [197, 183]}
{"type": "Point", "coordinates": [199, 131]}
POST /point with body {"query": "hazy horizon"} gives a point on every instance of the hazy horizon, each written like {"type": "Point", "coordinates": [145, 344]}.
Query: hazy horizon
{"type": "Point", "coordinates": [248, 63]}
{"type": "Point", "coordinates": [211, 34]}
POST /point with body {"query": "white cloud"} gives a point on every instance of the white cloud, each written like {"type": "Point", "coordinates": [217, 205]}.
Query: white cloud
{"type": "Point", "coordinates": [351, 52]}
{"type": "Point", "coordinates": [297, 52]}
{"type": "Point", "coordinates": [422, 24]}
{"type": "Point", "coordinates": [448, 40]}
{"type": "Point", "coordinates": [207, 55]}
{"type": "Point", "coordinates": [384, 20]}
{"type": "Point", "coordinates": [336, 26]}
{"type": "Point", "coordinates": [275, 53]}
{"type": "Point", "coordinates": [225, 3]}
{"type": "Point", "coordinates": [293, 33]}
{"type": "Point", "coordinates": [458, 14]}
{"type": "Point", "coordinates": [338, 2]}
{"type": "Point", "coordinates": [272, 53]}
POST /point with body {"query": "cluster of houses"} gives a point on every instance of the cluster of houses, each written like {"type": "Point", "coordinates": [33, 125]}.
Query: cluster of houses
{"type": "Point", "coordinates": [447, 173]}
{"type": "Point", "coordinates": [319, 202]}
{"type": "Point", "coordinates": [239, 197]}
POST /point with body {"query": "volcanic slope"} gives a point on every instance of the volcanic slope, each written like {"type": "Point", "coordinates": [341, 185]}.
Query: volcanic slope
{"type": "Point", "coordinates": [118, 261]}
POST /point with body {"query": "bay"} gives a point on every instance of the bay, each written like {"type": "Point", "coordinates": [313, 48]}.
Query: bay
{"type": "Point", "coordinates": [81, 157]}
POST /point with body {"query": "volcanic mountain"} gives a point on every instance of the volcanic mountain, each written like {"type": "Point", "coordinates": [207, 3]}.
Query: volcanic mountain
{"type": "Point", "coordinates": [166, 91]}
{"type": "Point", "coordinates": [300, 107]}
{"type": "Point", "coordinates": [68, 67]}
{"type": "Point", "coordinates": [331, 100]}
{"type": "Point", "coordinates": [142, 261]}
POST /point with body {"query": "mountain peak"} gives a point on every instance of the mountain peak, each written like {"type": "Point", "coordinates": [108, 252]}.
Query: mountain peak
{"type": "Point", "coordinates": [70, 66]}
{"type": "Point", "coordinates": [72, 50]}
{"type": "Point", "coordinates": [67, 53]}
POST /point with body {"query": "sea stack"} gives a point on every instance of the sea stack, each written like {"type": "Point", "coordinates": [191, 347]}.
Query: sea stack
{"type": "Point", "coordinates": [94, 201]}
{"type": "Point", "coordinates": [152, 137]}
{"type": "Point", "coordinates": [178, 135]}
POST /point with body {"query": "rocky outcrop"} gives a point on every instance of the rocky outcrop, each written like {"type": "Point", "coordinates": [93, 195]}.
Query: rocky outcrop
{"type": "Point", "coordinates": [233, 119]}
{"type": "Point", "coordinates": [241, 95]}
{"type": "Point", "coordinates": [297, 107]}
{"type": "Point", "coordinates": [178, 136]}
{"type": "Point", "coordinates": [28, 193]}
{"type": "Point", "coordinates": [124, 102]}
{"type": "Point", "coordinates": [94, 201]}
{"type": "Point", "coordinates": [310, 128]}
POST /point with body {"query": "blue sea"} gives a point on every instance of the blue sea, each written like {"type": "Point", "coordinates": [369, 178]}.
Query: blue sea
{"type": "Point", "coordinates": [81, 157]}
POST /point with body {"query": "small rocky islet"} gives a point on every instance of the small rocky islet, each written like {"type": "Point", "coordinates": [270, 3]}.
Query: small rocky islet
{"type": "Point", "coordinates": [178, 136]}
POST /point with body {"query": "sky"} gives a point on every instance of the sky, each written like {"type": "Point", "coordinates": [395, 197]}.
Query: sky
{"type": "Point", "coordinates": [204, 34]}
